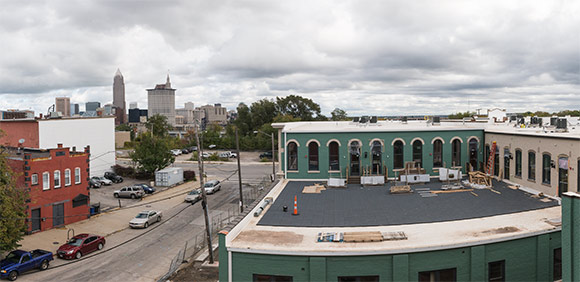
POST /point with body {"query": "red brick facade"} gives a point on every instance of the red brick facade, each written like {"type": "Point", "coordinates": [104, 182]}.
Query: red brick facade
{"type": "Point", "coordinates": [15, 130]}
{"type": "Point", "coordinates": [57, 183]}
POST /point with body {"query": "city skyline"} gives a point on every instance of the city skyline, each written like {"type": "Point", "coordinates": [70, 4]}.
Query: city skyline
{"type": "Point", "coordinates": [391, 57]}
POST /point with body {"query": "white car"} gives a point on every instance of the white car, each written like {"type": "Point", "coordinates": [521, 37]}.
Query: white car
{"type": "Point", "coordinates": [228, 154]}
{"type": "Point", "coordinates": [193, 196]}
{"type": "Point", "coordinates": [145, 218]}
{"type": "Point", "coordinates": [176, 152]}
{"type": "Point", "coordinates": [212, 186]}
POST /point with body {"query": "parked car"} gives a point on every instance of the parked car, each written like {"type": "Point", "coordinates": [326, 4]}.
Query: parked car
{"type": "Point", "coordinates": [193, 196]}
{"type": "Point", "coordinates": [129, 192]}
{"type": "Point", "coordinates": [102, 180]}
{"type": "Point", "coordinates": [176, 152]}
{"type": "Point", "coordinates": [81, 245]}
{"type": "Point", "coordinates": [205, 155]}
{"type": "Point", "coordinates": [145, 218]}
{"type": "Point", "coordinates": [113, 177]}
{"type": "Point", "coordinates": [93, 183]}
{"type": "Point", "coordinates": [148, 189]}
{"type": "Point", "coordinates": [228, 154]}
{"type": "Point", "coordinates": [185, 151]}
{"type": "Point", "coordinates": [212, 186]}
{"type": "Point", "coordinates": [19, 261]}
{"type": "Point", "coordinates": [266, 155]}
{"type": "Point", "coordinates": [192, 148]}
{"type": "Point", "coordinates": [212, 146]}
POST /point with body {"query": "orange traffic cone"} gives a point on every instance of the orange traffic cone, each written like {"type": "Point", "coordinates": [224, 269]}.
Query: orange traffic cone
{"type": "Point", "coordinates": [295, 206]}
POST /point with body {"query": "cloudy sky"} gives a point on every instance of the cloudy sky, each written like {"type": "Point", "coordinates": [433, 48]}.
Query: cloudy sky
{"type": "Point", "coordinates": [366, 57]}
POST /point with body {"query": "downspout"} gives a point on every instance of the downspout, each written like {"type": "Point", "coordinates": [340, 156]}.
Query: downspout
{"type": "Point", "coordinates": [230, 275]}
{"type": "Point", "coordinates": [285, 157]}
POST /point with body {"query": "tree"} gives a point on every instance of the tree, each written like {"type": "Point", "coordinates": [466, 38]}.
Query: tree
{"type": "Point", "coordinates": [158, 125]}
{"type": "Point", "coordinates": [152, 153]}
{"type": "Point", "coordinates": [123, 127]}
{"type": "Point", "coordinates": [461, 115]}
{"type": "Point", "coordinates": [244, 120]}
{"type": "Point", "coordinates": [12, 208]}
{"type": "Point", "coordinates": [298, 107]}
{"type": "Point", "coordinates": [262, 112]}
{"type": "Point", "coordinates": [338, 115]}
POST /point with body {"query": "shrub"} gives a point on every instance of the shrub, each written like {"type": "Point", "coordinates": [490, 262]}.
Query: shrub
{"type": "Point", "coordinates": [124, 171]}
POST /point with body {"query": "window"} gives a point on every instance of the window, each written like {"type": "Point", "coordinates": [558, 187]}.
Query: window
{"type": "Point", "coordinates": [438, 275]}
{"type": "Point", "coordinates": [398, 154]}
{"type": "Point", "coordinates": [496, 162]}
{"type": "Point", "coordinates": [438, 153]}
{"type": "Point", "coordinates": [486, 156]}
{"type": "Point", "coordinates": [67, 177]}
{"type": "Point", "coordinates": [333, 156]}
{"type": "Point", "coordinates": [292, 156]}
{"type": "Point", "coordinates": [532, 165]}
{"type": "Point", "coordinates": [271, 278]}
{"type": "Point", "coordinates": [376, 151]}
{"type": "Point", "coordinates": [456, 152]}
{"type": "Point", "coordinates": [518, 163]}
{"type": "Point", "coordinates": [496, 271]}
{"type": "Point", "coordinates": [473, 149]}
{"type": "Point", "coordinates": [313, 156]}
{"type": "Point", "coordinates": [369, 278]}
{"type": "Point", "coordinates": [546, 169]}
{"type": "Point", "coordinates": [45, 181]}
{"type": "Point", "coordinates": [77, 175]}
{"type": "Point", "coordinates": [34, 179]}
{"type": "Point", "coordinates": [418, 152]}
{"type": "Point", "coordinates": [57, 179]}
{"type": "Point", "coordinates": [557, 264]}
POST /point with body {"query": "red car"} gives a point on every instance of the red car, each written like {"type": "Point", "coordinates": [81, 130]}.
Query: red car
{"type": "Point", "coordinates": [80, 245]}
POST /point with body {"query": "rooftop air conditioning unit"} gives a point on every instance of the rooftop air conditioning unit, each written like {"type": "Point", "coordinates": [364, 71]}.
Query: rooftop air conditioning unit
{"type": "Point", "coordinates": [364, 119]}
{"type": "Point", "coordinates": [355, 119]}
{"type": "Point", "coordinates": [553, 121]}
{"type": "Point", "coordinates": [374, 119]}
{"type": "Point", "coordinates": [404, 119]}
{"type": "Point", "coordinates": [562, 123]}
{"type": "Point", "coordinates": [436, 120]}
{"type": "Point", "coordinates": [513, 118]}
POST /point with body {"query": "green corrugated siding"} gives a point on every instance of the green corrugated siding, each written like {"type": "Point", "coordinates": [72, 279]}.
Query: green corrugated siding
{"type": "Point", "coordinates": [527, 259]}
{"type": "Point", "coordinates": [387, 153]}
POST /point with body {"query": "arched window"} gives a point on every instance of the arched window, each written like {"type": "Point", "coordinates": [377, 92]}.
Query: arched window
{"type": "Point", "coordinates": [473, 149]}
{"type": "Point", "coordinates": [506, 163]}
{"type": "Point", "coordinates": [418, 152]}
{"type": "Point", "coordinates": [456, 152]}
{"type": "Point", "coordinates": [532, 165]}
{"type": "Point", "coordinates": [376, 151]}
{"type": "Point", "coordinates": [546, 169]}
{"type": "Point", "coordinates": [333, 159]}
{"type": "Point", "coordinates": [437, 153]}
{"type": "Point", "coordinates": [398, 156]}
{"type": "Point", "coordinates": [518, 163]}
{"type": "Point", "coordinates": [313, 156]}
{"type": "Point", "coordinates": [292, 156]}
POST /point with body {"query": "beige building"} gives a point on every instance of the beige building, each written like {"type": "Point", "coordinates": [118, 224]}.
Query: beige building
{"type": "Point", "coordinates": [215, 114]}
{"type": "Point", "coordinates": [62, 105]}
{"type": "Point", "coordinates": [546, 160]}
{"type": "Point", "coordinates": [161, 100]}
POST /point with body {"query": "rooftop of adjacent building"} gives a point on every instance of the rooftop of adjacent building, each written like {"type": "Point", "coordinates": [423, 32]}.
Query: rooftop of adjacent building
{"type": "Point", "coordinates": [16, 153]}
{"type": "Point", "coordinates": [444, 221]}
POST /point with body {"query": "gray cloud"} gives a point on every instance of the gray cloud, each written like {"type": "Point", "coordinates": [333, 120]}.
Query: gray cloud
{"type": "Point", "coordinates": [367, 57]}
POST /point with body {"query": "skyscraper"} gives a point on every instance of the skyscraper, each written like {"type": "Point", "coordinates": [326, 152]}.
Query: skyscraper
{"type": "Point", "coordinates": [92, 106]}
{"type": "Point", "coordinates": [119, 98]}
{"type": "Point", "coordinates": [63, 105]}
{"type": "Point", "coordinates": [161, 100]}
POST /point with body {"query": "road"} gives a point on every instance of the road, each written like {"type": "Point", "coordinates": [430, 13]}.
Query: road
{"type": "Point", "coordinates": [148, 257]}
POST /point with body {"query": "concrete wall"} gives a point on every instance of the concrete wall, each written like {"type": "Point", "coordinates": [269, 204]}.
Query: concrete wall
{"type": "Point", "coordinates": [527, 259]}
{"type": "Point", "coordinates": [555, 147]}
{"type": "Point", "coordinates": [387, 138]}
{"type": "Point", "coordinates": [99, 133]}
{"type": "Point", "coordinates": [121, 137]}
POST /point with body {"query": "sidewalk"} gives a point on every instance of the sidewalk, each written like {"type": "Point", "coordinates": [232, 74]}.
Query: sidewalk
{"type": "Point", "coordinates": [110, 222]}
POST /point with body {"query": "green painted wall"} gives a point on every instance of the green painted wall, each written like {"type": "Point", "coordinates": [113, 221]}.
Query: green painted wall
{"type": "Point", "coordinates": [527, 259]}
{"type": "Point", "coordinates": [387, 152]}
{"type": "Point", "coordinates": [570, 233]}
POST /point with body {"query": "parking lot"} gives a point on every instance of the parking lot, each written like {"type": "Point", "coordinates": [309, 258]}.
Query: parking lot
{"type": "Point", "coordinates": [104, 195]}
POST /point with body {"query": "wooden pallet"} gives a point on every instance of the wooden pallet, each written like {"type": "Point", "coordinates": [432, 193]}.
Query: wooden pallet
{"type": "Point", "coordinates": [370, 236]}
{"type": "Point", "coordinates": [313, 189]}
{"type": "Point", "coordinates": [400, 189]}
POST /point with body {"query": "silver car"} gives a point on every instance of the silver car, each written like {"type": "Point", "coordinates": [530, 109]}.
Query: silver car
{"type": "Point", "coordinates": [212, 186]}
{"type": "Point", "coordinates": [193, 196]}
{"type": "Point", "coordinates": [129, 192]}
{"type": "Point", "coordinates": [102, 180]}
{"type": "Point", "coordinates": [145, 218]}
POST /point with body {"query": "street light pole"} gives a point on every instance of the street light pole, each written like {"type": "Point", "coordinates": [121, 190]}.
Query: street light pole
{"type": "Point", "coordinates": [239, 172]}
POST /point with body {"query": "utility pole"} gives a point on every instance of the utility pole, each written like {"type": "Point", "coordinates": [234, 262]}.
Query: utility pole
{"type": "Point", "coordinates": [204, 196]}
{"type": "Point", "coordinates": [239, 172]}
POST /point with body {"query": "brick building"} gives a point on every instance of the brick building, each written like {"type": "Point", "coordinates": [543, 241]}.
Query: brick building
{"type": "Point", "coordinates": [57, 185]}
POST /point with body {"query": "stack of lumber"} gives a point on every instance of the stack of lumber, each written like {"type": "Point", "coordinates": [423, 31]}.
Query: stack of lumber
{"type": "Point", "coordinates": [480, 178]}
{"type": "Point", "coordinates": [400, 189]}
{"type": "Point", "coordinates": [391, 236]}
{"type": "Point", "coordinates": [330, 237]}
{"type": "Point", "coordinates": [313, 189]}
{"type": "Point", "coordinates": [369, 236]}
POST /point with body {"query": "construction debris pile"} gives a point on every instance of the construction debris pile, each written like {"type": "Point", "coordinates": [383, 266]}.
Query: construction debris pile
{"type": "Point", "coordinates": [479, 180]}
{"type": "Point", "coordinates": [360, 237]}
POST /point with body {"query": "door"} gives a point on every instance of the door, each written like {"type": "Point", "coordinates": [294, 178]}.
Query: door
{"type": "Point", "coordinates": [473, 144]}
{"type": "Point", "coordinates": [35, 218]}
{"type": "Point", "coordinates": [57, 215]}
{"type": "Point", "coordinates": [562, 175]}
{"type": "Point", "coordinates": [354, 158]}
{"type": "Point", "coordinates": [86, 246]}
{"type": "Point", "coordinates": [26, 263]}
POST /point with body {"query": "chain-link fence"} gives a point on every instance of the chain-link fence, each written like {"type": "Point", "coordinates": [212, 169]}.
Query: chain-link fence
{"type": "Point", "coordinates": [218, 220]}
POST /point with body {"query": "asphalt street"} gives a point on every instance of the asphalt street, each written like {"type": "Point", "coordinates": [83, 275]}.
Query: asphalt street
{"type": "Point", "coordinates": [148, 257]}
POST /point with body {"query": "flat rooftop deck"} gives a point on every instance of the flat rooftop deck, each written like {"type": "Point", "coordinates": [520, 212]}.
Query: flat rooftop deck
{"type": "Point", "coordinates": [357, 206]}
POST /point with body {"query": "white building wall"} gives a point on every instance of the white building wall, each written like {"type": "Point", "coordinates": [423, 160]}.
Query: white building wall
{"type": "Point", "coordinates": [99, 133]}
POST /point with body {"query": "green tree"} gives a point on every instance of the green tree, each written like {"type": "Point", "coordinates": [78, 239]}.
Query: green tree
{"type": "Point", "coordinates": [158, 125]}
{"type": "Point", "coordinates": [123, 127]}
{"type": "Point", "coordinates": [298, 107]}
{"type": "Point", "coordinates": [152, 153]}
{"type": "Point", "coordinates": [461, 115]}
{"type": "Point", "coordinates": [338, 115]}
{"type": "Point", "coordinates": [12, 208]}
{"type": "Point", "coordinates": [262, 112]}
{"type": "Point", "coordinates": [244, 120]}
